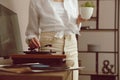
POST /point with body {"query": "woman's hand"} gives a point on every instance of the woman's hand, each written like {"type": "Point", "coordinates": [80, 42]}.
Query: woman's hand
{"type": "Point", "coordinates": [79, 20]}
{"type": "Point", "coordinates": [33, 43]}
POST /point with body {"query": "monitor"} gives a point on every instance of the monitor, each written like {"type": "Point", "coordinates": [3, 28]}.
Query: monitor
{"type": "Point", "coordinates": [10, 39]}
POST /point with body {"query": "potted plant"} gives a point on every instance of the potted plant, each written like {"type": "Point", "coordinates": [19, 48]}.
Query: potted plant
{"type": "Point", "coordinates": [86, 10]}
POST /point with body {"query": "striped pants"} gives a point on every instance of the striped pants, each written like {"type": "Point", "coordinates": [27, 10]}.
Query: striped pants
{"type": "Point", "coordinates": [67, 44]}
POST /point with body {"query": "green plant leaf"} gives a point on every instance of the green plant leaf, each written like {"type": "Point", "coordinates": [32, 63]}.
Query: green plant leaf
{"type": "Point", "coordinates": [88, 4]}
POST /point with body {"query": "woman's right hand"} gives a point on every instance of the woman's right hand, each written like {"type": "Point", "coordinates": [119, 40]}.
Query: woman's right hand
{"type": "Point", "coordinates": [33, 43]}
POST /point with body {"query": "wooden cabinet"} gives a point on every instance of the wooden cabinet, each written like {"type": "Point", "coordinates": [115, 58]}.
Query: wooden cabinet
{"type": "Point", "coordinates": [63, 75]}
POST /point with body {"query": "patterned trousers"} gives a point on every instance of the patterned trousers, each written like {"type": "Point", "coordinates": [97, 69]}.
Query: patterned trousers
{"type": "Point", "coordinates": [67, 44]}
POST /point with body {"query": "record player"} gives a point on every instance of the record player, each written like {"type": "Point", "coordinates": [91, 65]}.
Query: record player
{"type": "Point", "coordinates": [44, 57]}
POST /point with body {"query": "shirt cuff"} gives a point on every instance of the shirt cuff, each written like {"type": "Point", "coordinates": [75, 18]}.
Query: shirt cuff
{"type": "Point", "coordinates": [30, 37]}
{"type": "Point", "coordinates": [79, 26]}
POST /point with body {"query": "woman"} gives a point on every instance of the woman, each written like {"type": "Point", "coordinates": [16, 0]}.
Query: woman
{"type": "Point", "coordinates": [55, 23]}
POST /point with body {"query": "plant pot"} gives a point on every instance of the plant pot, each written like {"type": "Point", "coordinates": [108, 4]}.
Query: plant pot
{"type": "Point", "coordinates": [86, 12]}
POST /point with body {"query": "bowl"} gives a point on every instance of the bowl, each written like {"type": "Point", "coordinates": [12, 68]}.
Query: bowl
{"type": "Point", "coordinates": [86, 12]}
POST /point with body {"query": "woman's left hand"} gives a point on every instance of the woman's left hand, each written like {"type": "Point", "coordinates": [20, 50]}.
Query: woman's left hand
{"type": "Point", "coordinates": [79, 20]}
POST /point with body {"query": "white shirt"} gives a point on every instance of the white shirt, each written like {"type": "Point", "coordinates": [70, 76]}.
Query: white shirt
{"type": "Point", "coordinates": [60, 10]}
{"type": "Point", "coordinates": [43, 18]}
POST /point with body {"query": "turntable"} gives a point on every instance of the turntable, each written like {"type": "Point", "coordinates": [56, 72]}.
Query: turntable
{"type": "Point", "coordinates": [44, 57]}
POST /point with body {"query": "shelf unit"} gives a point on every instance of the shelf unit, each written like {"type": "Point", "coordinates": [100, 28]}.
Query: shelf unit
{"type": "Point", "coordinates": [114, 52]}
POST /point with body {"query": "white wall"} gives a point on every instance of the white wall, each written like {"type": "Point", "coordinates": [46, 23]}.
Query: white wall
{"type": "Point", "coordinates": [21, 8]}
